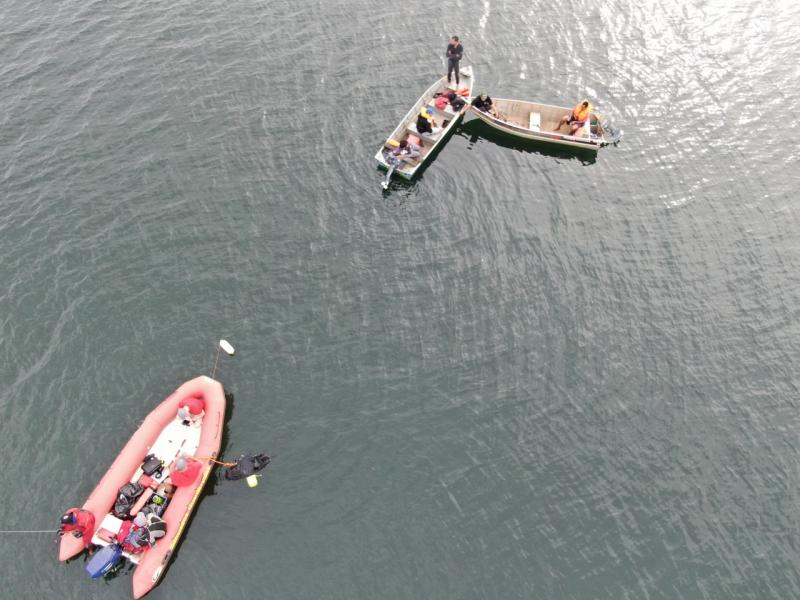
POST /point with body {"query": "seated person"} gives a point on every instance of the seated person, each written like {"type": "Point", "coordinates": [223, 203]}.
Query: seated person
{"type": "Point", "coordinates": [484, 104]}
{"type": "Point", "coordinates": [78, 522]}
{"type": "Point", "coordinates": [191, 411]}
{"type": "Point", "coordinates": [184, 471]}
{"type": "Point", "coordinates": [425, 122]}
{"type": "Point", "coordinates": [577, 118]}
{"type": "Point", "coordinates": [456, 101]}
{"type": "Point", "coordinates": [404, 153]}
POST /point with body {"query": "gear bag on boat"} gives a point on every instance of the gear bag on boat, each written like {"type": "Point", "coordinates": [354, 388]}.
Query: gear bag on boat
{"type": "Point", "coordinates": [126, 498]}
{"type": "Point", "coordinates": [152, 464]}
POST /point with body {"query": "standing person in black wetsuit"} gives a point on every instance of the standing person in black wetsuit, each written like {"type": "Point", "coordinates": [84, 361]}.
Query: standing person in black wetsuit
{"type": "Point", "coordinates": [454, 53]}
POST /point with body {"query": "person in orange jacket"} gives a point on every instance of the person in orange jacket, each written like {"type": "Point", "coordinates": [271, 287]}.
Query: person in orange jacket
{"type": "Point", "coordinates": [577, 118]}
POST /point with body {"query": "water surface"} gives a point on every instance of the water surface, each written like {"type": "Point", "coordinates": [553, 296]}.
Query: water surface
{"type": "Point", "coordinates": [524, 375]}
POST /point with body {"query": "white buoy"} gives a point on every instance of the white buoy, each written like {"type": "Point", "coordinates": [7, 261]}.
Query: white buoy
{"type": "Point", "coordinates": [226, 346]}
{"type": "Point", "coordinates": [252, 480]}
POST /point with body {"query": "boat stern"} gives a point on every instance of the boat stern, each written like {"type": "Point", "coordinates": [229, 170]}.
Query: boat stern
{"type": "Point", "coordinates": [151, 567]}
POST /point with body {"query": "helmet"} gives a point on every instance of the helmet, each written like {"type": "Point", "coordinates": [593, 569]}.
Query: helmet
{"type": "Point", "coordinates": [69, 518]}
{"type": "Point", "coordinates": [180, 464]}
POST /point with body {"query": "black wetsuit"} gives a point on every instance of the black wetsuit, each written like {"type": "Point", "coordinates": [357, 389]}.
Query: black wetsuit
{"type": "Point", "coordinates": [484, 105]}
{"type": "Point", "coordinates": [455, 101]}
{"type": "Point", "coordinates": [454, 54]}
{"type": "Point", "coordinates": [423, 125]}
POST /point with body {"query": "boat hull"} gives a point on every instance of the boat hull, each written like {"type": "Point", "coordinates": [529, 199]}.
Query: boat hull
{"type": "Point", "coordinates": [537, 122]}
{"type": "Point", "coordinates": [100, 502]}
{"type": "Point", "coordinates": [429, 146]}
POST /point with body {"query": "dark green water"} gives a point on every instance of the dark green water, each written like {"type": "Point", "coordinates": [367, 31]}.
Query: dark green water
{"type": "Point", "coordinates": [524, 375]}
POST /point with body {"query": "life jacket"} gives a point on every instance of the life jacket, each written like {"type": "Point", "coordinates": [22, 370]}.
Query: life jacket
{"type": "Point", "coordinates": [83, 526]}
{"type": "Point", "coordinates": [440, 102]}
{"type": "Point", "coordinates": [132, 538]}
{"type": "Point", "coordinates": [579, 113]}
{"type": "Point", "coordinates": [425, 114]}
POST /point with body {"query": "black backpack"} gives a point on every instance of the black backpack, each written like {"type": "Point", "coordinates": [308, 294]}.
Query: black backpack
{"type": "Point", "coordinates": [126, 498]}
{"type": "Point", "coordinates": [152, 464]}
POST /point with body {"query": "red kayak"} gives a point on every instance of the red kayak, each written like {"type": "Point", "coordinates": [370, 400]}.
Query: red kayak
{"type": "Point", "coordinates": [143, 503]}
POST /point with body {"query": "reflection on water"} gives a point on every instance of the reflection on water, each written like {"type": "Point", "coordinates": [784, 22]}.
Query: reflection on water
{"type": "Point", "coordinates": [477, 129]}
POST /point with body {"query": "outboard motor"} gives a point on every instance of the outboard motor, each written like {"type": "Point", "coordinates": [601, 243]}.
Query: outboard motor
{"type": "Point", "coordinates": [104, 560]}
{"type": "Point", "coordinates": [611, 133]}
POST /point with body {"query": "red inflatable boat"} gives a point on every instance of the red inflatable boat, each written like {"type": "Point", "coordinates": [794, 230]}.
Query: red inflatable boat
{"type": "Point", "coordinates": [143, 502]}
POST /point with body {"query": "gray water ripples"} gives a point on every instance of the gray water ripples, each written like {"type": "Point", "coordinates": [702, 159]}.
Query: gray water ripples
{"type": "Point", "coordinates": [525, 374]}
